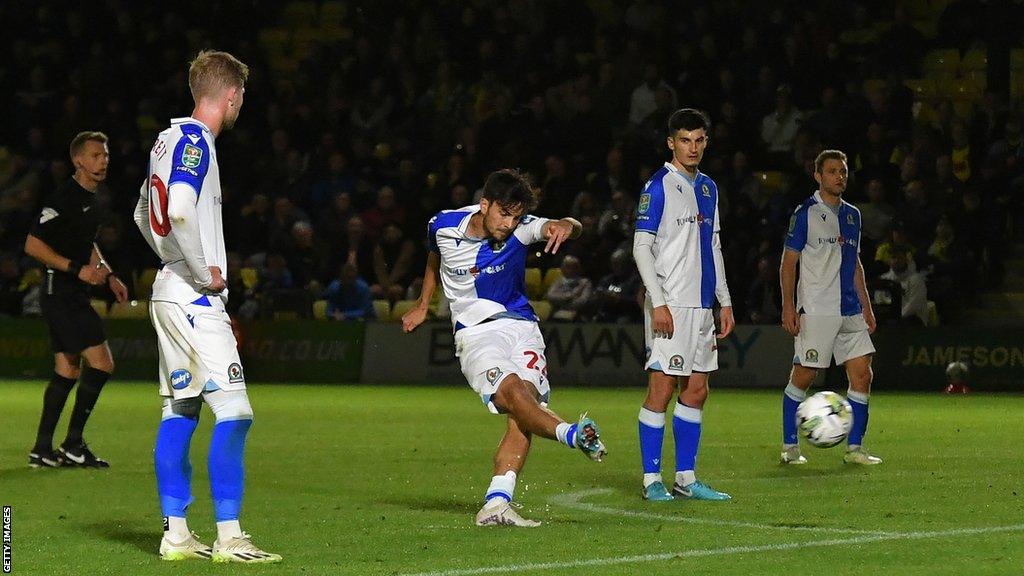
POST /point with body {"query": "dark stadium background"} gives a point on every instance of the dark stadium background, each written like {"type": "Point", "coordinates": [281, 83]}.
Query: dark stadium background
{"type": "Point", "coordinates": [364, 119]}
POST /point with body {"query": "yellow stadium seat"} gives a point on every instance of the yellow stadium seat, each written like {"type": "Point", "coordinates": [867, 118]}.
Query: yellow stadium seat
{"type": "Point", "coordinates": [941, 63]}
{"type": "Point", "coordinates": [383, 309]}
{"type": "Point", "coordinates": [771, 180]}
{"type": "Point", "coordinates": [132, 309]}
{"type": "Point", "coordinates": [1017, 59]}
{"type": "Point", "coordinates": [144, 283]}
{"type": "Point", "coordinates": [973, 61]}
{"type": "Point", "coordinates": [542, 308]}
{"type": "Point", "coordinates": [250, 277]}
{"type": "Point", "coordinates": [320, 310]}
{"type": "Point", "coordinates": [31, 277]}
{"type": "Point", "coordinates": [550, 277]}
{"type": "Point", "coordinates": [400, 308]}
{"type": "Point", "coordinates": [923, 88]}
{"type": "Point", "coordinates": [100, 306]}
{"type": "Point", "coordinates": [534, 285]}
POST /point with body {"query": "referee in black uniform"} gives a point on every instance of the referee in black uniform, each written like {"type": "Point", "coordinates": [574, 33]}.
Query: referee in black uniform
{"type": "Point", "coordinates": [63, 240]}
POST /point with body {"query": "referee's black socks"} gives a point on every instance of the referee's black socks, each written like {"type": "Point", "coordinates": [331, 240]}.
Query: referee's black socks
{"type": "Point", "coordinates": [56, 395]}
{"type": "Point", "coordinates": [88, 392]}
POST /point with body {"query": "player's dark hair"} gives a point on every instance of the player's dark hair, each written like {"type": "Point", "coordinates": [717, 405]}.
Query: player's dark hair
{"type": "Point", "coordinates": [819, 162]}
{"type": "Point", "coordinates": [78, 142]}
{"type": "Point", "coordinates": [509, 188]}
{"type": "Point", "coordinates": [688, 119]}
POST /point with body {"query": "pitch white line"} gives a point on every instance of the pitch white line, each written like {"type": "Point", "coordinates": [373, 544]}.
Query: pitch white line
{"type": "Point", "coordinates": [572, 500]}
{"type": "Point", "coordinates": [702, 552]}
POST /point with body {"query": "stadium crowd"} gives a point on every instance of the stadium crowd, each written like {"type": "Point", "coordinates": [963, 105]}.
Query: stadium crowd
{"type": "Point", "coordinates": [353, 139]}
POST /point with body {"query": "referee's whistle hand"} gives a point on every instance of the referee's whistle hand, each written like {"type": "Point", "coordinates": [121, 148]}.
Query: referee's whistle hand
{"type": "Point", "coordinates": [93, 276]}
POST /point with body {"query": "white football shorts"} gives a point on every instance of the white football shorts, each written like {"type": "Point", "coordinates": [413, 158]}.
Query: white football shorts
{"type": "Point", "coordinates": [489, 352]}
{"type": "Point", "coordinates": [823, 337]}
{"type": "Point", "coordinates": [692, 347]}
{"type": "Point", "coordinates": [197, 349]}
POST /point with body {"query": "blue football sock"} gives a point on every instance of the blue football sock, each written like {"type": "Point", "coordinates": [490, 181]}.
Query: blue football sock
{"type": "Point", "coordinates": [227, 473]}
{"type": "Point", "coordinates": [686, 430]}
{"type": "Point", "coordinates": [173, 469]}
{"type": "Point", "coordinates": [652, 437]}
{"type": "Point", "coordinates": [791, 399]}
{"type": "Point", "coordinates": [859, 403]}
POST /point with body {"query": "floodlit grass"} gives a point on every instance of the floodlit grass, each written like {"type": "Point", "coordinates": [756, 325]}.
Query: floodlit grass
{"type": "Point", "coordinates": [385, 480]}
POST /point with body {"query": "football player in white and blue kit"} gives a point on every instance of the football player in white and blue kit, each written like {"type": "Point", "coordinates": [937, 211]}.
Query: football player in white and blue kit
{"type": "Point", "coordinates": [679, 255]}
{"type": "Point", "coordinates": [832, 316]}
{"type": "Point", "coordinates": [479, 253]}
{"type": "Point", "coordinates": [179, 215]}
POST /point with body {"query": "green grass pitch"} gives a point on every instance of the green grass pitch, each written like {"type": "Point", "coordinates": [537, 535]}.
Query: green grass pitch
{"type": "Point", "coordinates": [385, 480]}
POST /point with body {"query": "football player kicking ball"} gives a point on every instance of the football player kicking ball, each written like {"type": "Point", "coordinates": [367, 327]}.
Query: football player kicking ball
{"type": "Point", "coordinates": [479, 252]}
{"type": "Point", "coordinates": [679, 255]}
{"type": "Point", "coordinates": [832, 317]}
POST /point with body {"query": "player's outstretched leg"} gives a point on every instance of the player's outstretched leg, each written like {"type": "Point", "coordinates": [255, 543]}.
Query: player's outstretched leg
{"type": "Point", "coordinates": [498, 509]}
{"type": "Point", "coordinates": [686, 428]}
{"type": "Point", "coordinates": [174, 479]}
{"type": "Point", "coordinates": [858, 370]}
{"type": "Point", "coordinates": [517, 397]}
{"type": "Point", "coordinates": [227, 477]}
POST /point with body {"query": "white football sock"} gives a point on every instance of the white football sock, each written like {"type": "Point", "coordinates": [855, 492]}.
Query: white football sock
{"type": "Point", "coordinates": [502, 488]}
{"type": "Point", "coordinates": [228, 529]}
{"type": "Point", "coordinates": [177, 529]}
{"type": "Point", "coordinates": [686, 477]}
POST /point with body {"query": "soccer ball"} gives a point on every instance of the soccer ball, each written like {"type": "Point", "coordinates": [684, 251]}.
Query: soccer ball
{"type": "Point", "coordinates": [824, 419]}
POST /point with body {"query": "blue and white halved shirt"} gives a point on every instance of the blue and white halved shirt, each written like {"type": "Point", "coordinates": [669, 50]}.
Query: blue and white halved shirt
{"type": "Point", "coordinates": [828, 240]}
{"type": "Point", "coordinates": [483, 278]}
{"type": "Point", "coordinates": [682, 214]}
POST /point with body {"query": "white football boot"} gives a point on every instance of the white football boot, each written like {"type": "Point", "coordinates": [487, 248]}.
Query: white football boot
{"type": "Point", "coordinates": [188, 548]}
{"type": "Point", "coordinates": [502, 514]}
{"type": "Point", "coordinates": [241, 549]}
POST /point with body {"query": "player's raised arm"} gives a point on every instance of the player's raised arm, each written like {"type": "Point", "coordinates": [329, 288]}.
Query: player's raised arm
{"type": "Point", "coordinates": [558, 231]}
{"type": "Point", "coordinates": [418, 314]}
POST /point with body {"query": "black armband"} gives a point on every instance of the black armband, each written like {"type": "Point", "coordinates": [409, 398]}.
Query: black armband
{"type": "Point", "coordinates": [74, 268]}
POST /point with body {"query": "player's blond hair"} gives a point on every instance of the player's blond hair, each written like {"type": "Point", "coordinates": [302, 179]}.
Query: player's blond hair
{"type": "Point", "coordinates": [78, 142]}
{"type": "Point", "coordinates": [828, 155]}
{"type": "Point", "coordinates": [212, 71]}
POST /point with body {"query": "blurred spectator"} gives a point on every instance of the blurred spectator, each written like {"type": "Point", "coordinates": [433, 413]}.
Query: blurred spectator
{"type": "Point", "coordinates": [764, 296]}
{"type": "Point", "coordinates": [385, 211]}
{"type": "Point", "coordinates": [778, 129]}
{"type": "Point", "coordinates": [877, 215]}
{"type": "Point", "coordinates": [569, 293]}
{"type": "Point", "coordinates": [337, 180]}
{"type": "Point", "coordinates": [615, 297]}
{"type": "Point", "coordinates": [307, 257]}
{"type": "Point", "coordinates": [348, 297]}
{"type": "Point", "coordinates": [254, 229]}
{"type": "Point", "coordinates": [394, 257]}
{"type": "Point", "coordinates": [643, 101]}
{"type": "Point", "coordinates": [11, 291]}
{"type": "Point", "coordinates": [333, 223]}
{"type": "Point", "coordinates": [356, 248]}
{"type": "Point", "coordinates": [915, 293]}
{"type": "Point", "coordinates": [897, 240]}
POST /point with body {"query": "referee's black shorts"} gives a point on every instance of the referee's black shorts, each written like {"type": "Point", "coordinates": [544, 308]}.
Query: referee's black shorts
{"type": "Point", "coordinates": [74, 325]}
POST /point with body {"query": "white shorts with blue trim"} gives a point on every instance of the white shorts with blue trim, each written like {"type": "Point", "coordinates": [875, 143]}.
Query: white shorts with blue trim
{"type": "Point", "coordinates": [197, 348]}
{"type": "Point", "coordinates": [490, 351]}
{"type": "Point", "coordinates": [822, 338]}
{"type": "Point", "coordinates": [692, 347]}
